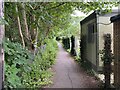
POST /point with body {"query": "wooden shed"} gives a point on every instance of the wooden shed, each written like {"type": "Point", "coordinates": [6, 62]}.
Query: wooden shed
{"type": "Point", "coordinates": [93, 27]}
{"type": "Point", "coordinates": [116, 39]}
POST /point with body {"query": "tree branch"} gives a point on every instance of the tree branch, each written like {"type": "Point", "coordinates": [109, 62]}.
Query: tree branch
{"type": "Point", "coordinates": [56, 6]}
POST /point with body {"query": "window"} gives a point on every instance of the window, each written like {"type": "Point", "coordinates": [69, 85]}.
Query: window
{"type": "Point", "coordinates": [90, 33]}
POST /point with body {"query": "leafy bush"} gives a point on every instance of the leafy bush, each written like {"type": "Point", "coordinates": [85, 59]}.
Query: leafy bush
{"type": "Point", "coordinates": [23, 70]}
{"type": "Point", "coordinates": [66, 42]}
{"type": "Point", "coordinates": [39, 76]}
{"type": "Point", "coordinates": [17, 61]}
{"type": "Point", "coordinates": [77, 58]}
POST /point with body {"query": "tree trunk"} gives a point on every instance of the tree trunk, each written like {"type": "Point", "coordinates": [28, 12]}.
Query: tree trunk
{"type": "Point", "coordinates": [19, 26]}
{"type": "Point", "coordinates": [1, 46]}
{"type": "Point", "coordinates": [34, 30]}
{"type": "Point", "coordinates": [34, 37]}
{"type": "Point", "coordinates": [36, 41]}
{"type": "Point", "coordinates": [25, 22]}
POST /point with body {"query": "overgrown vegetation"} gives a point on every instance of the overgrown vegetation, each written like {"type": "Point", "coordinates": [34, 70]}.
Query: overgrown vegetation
{"type": "Point", "coordinates": [38, 75]}
{"type": "Point", "coordinates": [107, 58]}
{"type": "Point", "coordinates": [30, 48]}
{"type": "Point", "coordinates": [17, 61]}
{"type": "Point", "coordinates": [23, 70]}
{"type": "Point", "coordinates": [66, 43]}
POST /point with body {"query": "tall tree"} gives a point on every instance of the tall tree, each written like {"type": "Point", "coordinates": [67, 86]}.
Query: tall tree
{"type": "Point", "coordinates": [19, 25]}
{"type": "Point", "coordinates": [25, 21]}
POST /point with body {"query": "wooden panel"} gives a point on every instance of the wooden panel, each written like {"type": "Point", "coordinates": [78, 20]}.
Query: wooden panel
{"type": "Point", "coordinates": [117, 53]}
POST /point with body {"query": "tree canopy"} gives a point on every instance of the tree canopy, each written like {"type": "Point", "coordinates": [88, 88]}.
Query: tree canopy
{"type": "Point", "coordinates": [44, 19]}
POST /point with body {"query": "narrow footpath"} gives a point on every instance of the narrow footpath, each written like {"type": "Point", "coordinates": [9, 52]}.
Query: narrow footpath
{"type": "Point", "coordinates": [68, 74]}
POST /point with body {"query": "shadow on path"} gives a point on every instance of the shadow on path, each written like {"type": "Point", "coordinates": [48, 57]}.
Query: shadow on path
{"type": "Point", "coordinates": [68, 74]}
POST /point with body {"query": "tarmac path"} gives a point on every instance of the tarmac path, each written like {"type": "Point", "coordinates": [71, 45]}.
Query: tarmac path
{"type": "Point", "coordinates": [68, 74]}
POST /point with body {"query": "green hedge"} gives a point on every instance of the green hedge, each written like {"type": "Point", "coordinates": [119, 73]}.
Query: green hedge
{"type": "Point", "coordinates": [66, 43]}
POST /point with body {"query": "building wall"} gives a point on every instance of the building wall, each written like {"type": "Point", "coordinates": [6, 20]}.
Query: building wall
{"type": "Point", "coordinates": [83, 42]}
{"type": "Point", "coordinates": [104, 29]}
{"type": "Point", "coordinates": [90, 52]}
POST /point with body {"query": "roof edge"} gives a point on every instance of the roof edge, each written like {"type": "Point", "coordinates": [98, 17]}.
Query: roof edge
{"type": "Point", "coordinates": [89, 17]}
{"type": "Point", "coordinates": [115, 18]}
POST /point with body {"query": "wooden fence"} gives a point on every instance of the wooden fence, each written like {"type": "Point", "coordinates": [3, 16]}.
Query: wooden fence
{"type": "Point", "coordinates": [117, 53]}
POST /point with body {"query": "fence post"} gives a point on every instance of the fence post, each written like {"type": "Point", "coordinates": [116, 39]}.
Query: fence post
{"type": "Point", "coordinates": [107, 58]}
